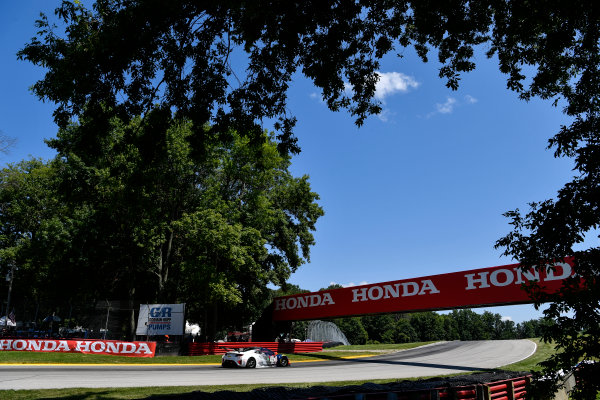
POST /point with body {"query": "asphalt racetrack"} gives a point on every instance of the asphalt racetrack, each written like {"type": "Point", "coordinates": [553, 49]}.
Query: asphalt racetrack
{"type": "Point", "coordinates": [438, 359]}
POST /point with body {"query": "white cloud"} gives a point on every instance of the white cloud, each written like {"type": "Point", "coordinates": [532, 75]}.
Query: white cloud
{"type": "Point", "coordinates": [450, 104]}
{"type": "Point", "coordinates": [507, 318]}
{"type": "Point", "coordinates": [470, 99]}
{"type": "Point", "coordinates": [390, 83]}
{"type": "Point", "coordinates": [447, 107]}
{"type": "Point", "coordinates": [350, 284]}
{"type": "Point", "coordinates": [384, 115]}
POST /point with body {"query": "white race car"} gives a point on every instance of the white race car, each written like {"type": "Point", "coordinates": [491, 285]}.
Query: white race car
{"type": "Point", "coordinates": [251, 357]}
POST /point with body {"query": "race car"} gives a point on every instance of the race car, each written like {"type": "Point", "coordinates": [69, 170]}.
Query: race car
{"type": "Point", "coordinates": [251, 357]}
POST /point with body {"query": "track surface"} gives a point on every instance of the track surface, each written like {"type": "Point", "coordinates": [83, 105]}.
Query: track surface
{"type": "Point", "coordinates": [438, 359]}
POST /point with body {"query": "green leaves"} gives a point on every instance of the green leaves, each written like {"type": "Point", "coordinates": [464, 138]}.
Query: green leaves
{"type": "Point", "coordinates": [199, 143]}
{"type": "Point", "coordinates": [251, 226]}
{"type": "Point", "coordinates": [142, 216]}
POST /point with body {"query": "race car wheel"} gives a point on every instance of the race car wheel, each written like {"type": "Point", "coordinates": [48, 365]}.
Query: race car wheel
{"type": "Point", "coordinates": [251, 363]}
{"type": "Point", "coordinates": [283, 362]}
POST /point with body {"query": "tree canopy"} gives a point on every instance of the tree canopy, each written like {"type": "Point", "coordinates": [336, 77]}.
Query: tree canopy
{"type": "Point", "coordinates": [128, 55]}
{"type": "Point", "coordinates": [122, 57]}
{"type": "Point", "coordinates": [141, 221]}
{"type": "Point", "coordinates": [463, 324]}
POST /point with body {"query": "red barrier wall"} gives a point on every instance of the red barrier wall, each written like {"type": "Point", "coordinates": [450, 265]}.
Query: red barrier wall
{"type": "Point", "coordinates": [500, 285]}
{"type": "Point", "coordinates": [201, 349]}
{"type": "Point", "coordinates": [511, 389]}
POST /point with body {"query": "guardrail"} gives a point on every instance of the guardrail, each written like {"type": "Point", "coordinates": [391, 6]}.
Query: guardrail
{"type": "Point", "coordinates": [201, 349]}
{"type": "Point", "coordinates": [510, 389]}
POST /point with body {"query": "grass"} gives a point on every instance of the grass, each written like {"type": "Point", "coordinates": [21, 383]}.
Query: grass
{"type": "Point", "coordinates": [543, 351]}
{"type": "Point", "coordinates": [25, 357]}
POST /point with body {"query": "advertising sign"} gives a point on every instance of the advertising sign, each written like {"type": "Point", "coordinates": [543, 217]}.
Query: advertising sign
{"type": "Point", "coordinates": [161, 319]}
{"type": "Point", "coordinates": [476, 288]}
{"type": "Point", "coordinates": [109, 347]}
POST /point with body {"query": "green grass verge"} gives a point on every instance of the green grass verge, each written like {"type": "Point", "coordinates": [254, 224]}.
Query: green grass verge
{"type": "Point", "coordinates": [543, 351]}
{"type": "Point", "coordinates": [25, 357]}
{"type": "Point", "coordinates": [57, 358]}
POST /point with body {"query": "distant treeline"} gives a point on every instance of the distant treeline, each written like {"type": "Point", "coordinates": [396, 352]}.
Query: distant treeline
{"type": "Point", "coordinates": [463, 324]}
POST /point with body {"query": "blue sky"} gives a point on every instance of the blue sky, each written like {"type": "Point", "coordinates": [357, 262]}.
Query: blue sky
{"type": "Point", "coordinates": [419, 190]}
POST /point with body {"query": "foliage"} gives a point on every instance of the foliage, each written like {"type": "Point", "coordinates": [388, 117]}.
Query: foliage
{"type": "Point", "coordinates": [463, 324]}
{"type": "Point", "coordinates": [126, 56]}
{"type": "Point", "coordinates": [6, 142]}
{"type": "Point", "coordinates": [353, 329]}
{"type": "Point", "coordinates": [142, 221]}
{"type": "Point", "coordinates": [554, 229]}
{"type": "Point", "coordinates": [123, 57]}
{"type": "Point", "coordinates": [33, 232]}
{"type": "Point", "coordinates": [428, 325]}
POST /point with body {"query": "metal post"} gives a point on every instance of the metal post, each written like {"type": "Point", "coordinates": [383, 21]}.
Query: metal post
{"type": "Point", "coordinates": [182, 336]}
{"type": "Point", "coordinates": [9, 278]}
{"type": "Point", "coordinates": [107, 314]}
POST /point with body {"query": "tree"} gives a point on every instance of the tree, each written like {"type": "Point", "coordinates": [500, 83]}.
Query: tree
{"type": "Point", "coordinates": [404, 332]}
{"type": "Point", "coordinates": [139, 53]}
{"type": "Point", "coordinates": [427, 325]}
{"type": "Point", "coordinates": [125, 56]}
{"type": "Point", "coordinates": [527, 329]}
{"type": "Point", "coordinates": [212, 231]}
{"type": "Point", "coordinates": [450, 328]}
{"type": "Point", "coordinates": [470, 325]}
{"type": "Point", "coordinates": [353, 329]}
{"type": "Point", "coordinates": [33, 235]}
{"type": "Point", "coordinates": [264, 217]}
{"type": "Point", "coordinates": [380, 328]}
{"type": "Point", "coordinates": [6, 142]}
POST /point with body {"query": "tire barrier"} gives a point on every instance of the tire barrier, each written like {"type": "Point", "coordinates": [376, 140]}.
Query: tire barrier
{"type": "Point", "coordinates": [495, 384]}
{"type": "Point", "coordinates": [505, 390]}
{"type": "Point", "coordinates": [509, 389]}
{"type": "Point", "coordinates": [202, 349]}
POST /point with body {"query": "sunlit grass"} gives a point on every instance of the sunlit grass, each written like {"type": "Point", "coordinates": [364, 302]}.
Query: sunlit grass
{"type": "Point", "coordinates": [543, 351]}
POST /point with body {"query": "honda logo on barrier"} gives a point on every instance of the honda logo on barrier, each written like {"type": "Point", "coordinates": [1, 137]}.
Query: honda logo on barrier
{"type": "Point", "coordinates": [500, 285]}
{"type": "Point", "coordinates": [313, 300]}
{"type": "Point", "coordinates": [505, 277]}
{"type": "Point", "coordinates": [387, 291]}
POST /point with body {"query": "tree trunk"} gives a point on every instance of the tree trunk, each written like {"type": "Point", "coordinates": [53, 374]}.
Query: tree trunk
{"type": "Point", "coordinates": [131, 305]}
{"type": "Point", "coordinates": [163, 266]}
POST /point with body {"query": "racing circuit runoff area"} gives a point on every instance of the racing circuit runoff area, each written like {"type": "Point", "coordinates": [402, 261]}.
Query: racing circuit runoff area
{"type": "Point", "coordinates": [500, 285]}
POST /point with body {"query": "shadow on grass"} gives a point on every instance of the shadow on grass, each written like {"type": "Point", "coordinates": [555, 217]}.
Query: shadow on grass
{"type": "Point", "coordinates": [92, 394]}
{"type": "Point", "coordinates": [382, 360]}
{"type": "Point", "coordinates": [318, 356]}
{"type": "Point", "coordinates": [281, 392]}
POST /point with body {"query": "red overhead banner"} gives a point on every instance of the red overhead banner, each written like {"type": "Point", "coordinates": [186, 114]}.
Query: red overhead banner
{"type": "Point", "coordinates": [109, 347]}
{"type": "Point", "coordinates": [493, 286]}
